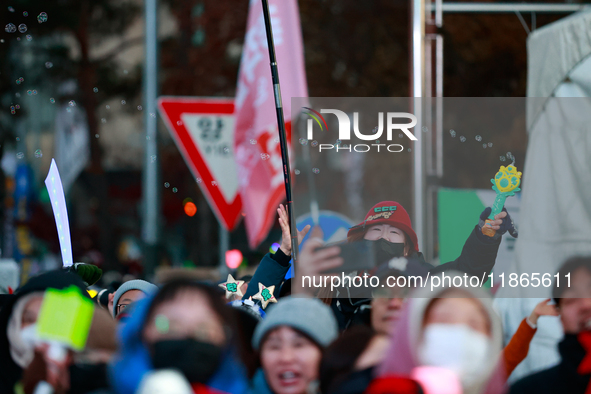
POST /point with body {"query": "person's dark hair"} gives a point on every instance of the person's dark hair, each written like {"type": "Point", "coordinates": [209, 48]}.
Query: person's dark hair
{"type": "Point", "coordinates": [246, 324]}
{"type": "Point", "coordinates": [339, 358]}
{"type": "Point", "coordinates": [569, 266]}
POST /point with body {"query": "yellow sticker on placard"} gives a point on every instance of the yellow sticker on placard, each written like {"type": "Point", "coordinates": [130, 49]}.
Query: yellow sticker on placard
{"type": "Point", "coordinates": [65, 317]}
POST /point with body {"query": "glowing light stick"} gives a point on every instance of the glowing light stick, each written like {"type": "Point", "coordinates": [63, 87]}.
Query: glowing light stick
{"type": "Point", "coordinates": [55, 189]}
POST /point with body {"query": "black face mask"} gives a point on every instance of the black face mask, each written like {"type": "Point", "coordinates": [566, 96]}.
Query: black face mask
{"type": "Point", "coordinates": [198, 361]}
{"type": "Point", "coordinates": [385, 250]}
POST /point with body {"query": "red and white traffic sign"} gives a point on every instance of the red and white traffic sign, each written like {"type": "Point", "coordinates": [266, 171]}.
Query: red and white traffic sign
{"type": "Point", "coordinates": [203, 129]}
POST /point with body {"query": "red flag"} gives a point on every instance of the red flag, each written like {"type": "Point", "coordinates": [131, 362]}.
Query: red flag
{"type": "Point", "coordinates": [258, 154]}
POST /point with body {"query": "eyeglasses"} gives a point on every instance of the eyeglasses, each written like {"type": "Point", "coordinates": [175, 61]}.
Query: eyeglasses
{"type": "Point", "coordinates": [120, 307]}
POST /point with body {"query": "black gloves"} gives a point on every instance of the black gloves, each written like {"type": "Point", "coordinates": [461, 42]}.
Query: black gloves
{"type": "Point", "coordinates": [507, 224]}
{"type": "Point", "coordinates": [89, 273]}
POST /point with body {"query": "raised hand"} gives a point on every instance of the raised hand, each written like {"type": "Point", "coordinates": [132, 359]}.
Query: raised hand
{"type": "Point", "coordinates": [286, 233]}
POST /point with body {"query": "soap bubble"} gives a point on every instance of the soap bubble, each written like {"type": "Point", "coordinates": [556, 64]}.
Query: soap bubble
{"type": "Point", "coordinates": [42, 17]}
{"type": "Point", "coordinates": [265, 156]}
{"type": "Point", "coordinates": [38, 153]}
{"type": "Point", "coordinates": [103, 120]}
{"type": "Point", "coordinates": [490, 144]}
{"type": "Point", "coordinates": [338, 142]}
{"type": "Point", "coordinates": [503, 158]}
{"type": "Point", "coordinates": [484, 146]}
{"type": "Point", "coordinates": [179, 123]}
{"type": "Point", "coordinates": [166, 185]}
{"type": "Point", "coordinates": [478, 138]}
{"type": "Point", "coordinates": [199, 180]}
{"type": "Point", "coordinates": [95, 90]}
{"type": "Point", "coordinates": [34, 92]}
{"type": "Point", "coordinates": [152, 114]}
{"type": "Point", "coordinates": [10, 28]}
{"type": "Point", "coordinates": [123, 102]}
{"type": "Point", "coordinates": [314, 143]}
{"type": "Point", "coordinates": [410, 150]}
{"type": "Point", "coordinates": [96, 136]}
{"type": "Point", "coordinates": [22, 28]}
{"type": "Point", "coordinates": [29, 37]}
{"type": "Point", "coordinates": [20, 155]}
{"type": "Point", "coordinates": [253, 142]}
{"type": "Point", "coordinates": [462, 138]}
{"type": "Point", "coordinates": [17, 106]}
{"type": "Point", "coordinates": [10, 9]}
{"type": "Point", "coordinates": [214, 183]}
{"type": "Point", "coordinates": [226, 149]}
{"type": "Point", "coordinates": [139, 108]}
{"type": "Point", "coordinates": [425, 129]}
{"type": "Point", "coordinates": [452, 132]}
{"type": "Point", "coordinates": [303, 141]}
{"type": "Point", "coordinates": [48, 64]}
{"type": "Point", "coordinates": [297, 172]}
{"type": "Point", "coordinates": [25, 13]}
{"type": "Point", "coordinates": [153, 158]}
{"type": "Point", "coordinates": [72, 103]}
{"type": "Point", "coordinates": [52, 100]}
{"type": "Point", "coordinates": [174, 190]}
{"type": "Point", "coordinates": [107, 106]}
{"type": "Point", "coordinates": [315, 170]}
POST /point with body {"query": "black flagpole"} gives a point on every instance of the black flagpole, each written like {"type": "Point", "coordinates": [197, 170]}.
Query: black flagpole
{"type": "Point", "coordinates": [282, 133]}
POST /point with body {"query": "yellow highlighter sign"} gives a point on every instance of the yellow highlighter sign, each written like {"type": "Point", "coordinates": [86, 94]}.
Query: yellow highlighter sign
{"type": "Point", "coordinates": [65, 317]}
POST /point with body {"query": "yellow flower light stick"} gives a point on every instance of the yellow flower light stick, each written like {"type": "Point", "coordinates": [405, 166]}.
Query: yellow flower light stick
{"type": "Point", "coordinates": [505, 183]}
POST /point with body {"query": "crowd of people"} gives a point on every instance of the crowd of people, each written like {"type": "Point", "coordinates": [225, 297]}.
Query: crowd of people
{"type": "Point", "coordinates": [268, 334]}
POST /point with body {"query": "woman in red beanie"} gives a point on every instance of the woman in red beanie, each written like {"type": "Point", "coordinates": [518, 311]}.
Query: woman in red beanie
{"type": "Point", "coordinates": [388, 225]}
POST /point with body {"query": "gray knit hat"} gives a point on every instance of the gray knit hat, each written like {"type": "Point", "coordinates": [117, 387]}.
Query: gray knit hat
{"type": "Point", "coordinates": [136, 284]}
{"type": "Point", "coordinates": [307, 315]}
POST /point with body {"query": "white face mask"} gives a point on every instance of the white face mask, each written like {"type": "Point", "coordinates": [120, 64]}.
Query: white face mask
{"type": "Point", "coordinates": [456, 347]}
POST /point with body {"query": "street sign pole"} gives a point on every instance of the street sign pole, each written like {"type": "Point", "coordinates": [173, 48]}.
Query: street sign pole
{"type": "Point", "coordinates": [150, 195]}
{"type": "Point", "coordinates": [224, 247]}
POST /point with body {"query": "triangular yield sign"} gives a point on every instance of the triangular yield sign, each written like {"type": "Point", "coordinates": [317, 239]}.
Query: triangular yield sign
{"type": "Point", "coordinates": [203, 129]}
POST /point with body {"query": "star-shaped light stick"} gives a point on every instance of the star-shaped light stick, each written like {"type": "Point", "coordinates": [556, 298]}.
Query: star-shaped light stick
{"type": "Point", "coordinates": [265, 295]}
{"type": "Point", "coordinates": [232, 287]}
